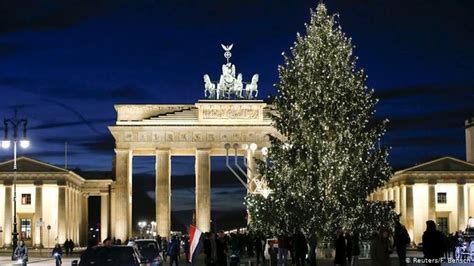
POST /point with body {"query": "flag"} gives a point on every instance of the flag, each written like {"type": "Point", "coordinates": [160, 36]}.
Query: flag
{"type": "Point", "coordinates": [195, 243]}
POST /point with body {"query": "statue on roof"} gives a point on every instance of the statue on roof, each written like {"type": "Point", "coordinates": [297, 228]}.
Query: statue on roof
{"type": "Point", "coordinates": [229, 86]}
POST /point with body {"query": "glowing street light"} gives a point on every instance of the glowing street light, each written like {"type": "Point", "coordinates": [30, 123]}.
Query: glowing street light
{"type": "Point", "coordinates": [14, 123]}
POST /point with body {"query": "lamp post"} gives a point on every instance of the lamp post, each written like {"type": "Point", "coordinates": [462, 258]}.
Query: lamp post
{"type": "Point", "coordinates": [14, 123]}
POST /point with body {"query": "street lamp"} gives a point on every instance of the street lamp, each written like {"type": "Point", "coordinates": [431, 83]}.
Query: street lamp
{"type": "Point", "coordinates": [14, 123]}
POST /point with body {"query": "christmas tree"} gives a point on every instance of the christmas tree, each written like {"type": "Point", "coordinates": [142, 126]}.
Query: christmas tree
{"type": "Point", "coordinates": [329, 161]}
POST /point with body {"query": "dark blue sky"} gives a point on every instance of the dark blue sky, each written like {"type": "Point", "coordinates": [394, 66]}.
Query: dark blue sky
{"type": "Point", "coordinates": [64, 64]}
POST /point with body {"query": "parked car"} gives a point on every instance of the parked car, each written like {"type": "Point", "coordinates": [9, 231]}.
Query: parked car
{"type": "Point", "coordinates": [149, 251]}
{"type": "Point", "coordinates": [115, 255]}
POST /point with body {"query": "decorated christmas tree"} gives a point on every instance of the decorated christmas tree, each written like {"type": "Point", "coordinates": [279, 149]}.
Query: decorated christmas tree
{"type": "Point", "coordinates": [329, 161]}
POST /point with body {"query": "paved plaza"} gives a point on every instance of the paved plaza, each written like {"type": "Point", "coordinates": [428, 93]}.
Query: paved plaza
{"type": "Point", "coordinates": [42, 261]}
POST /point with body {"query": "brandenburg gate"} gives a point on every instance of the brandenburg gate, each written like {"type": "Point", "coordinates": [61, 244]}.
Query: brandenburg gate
{"type": "Point", "coordinates": [231, 115]}
{"type": "Point", "coordinates": [163, 131]}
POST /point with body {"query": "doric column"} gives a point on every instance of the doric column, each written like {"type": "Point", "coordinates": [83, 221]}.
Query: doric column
{"type": "Point", "coordinates": [104, 216]}
{"type": "Point", "coordinates": [66, 208]}
{"type": "Point", "coordinates": [62, 222]}
{"type": "Point", "coordinates": [470, 201]}
{"type": "Point", "coordinates": [461, 206]}
{"type": "Point", "coordinates": [84, 220]}
{"type": "Point", "coordinates": [38, 213]}
{"type": "Point", "coordinates": [77, 213]}
{"type": "Point", "coordinates": [409, 210]}
{"type": "Point", "coordinates": [203, 189]}
{"type": "Point", "coordinates": [8, 216]}
{"type": "Point", "coordinates": [385, 194]}
{"type": "Point", "coordinates": [163, 192]}
{"type": "Point", "coordinates": [431, 200]}
{"type": "Point", "coordinates": [403, 204]}
{"type": "Point", "coordinates": [122, 195]}
{"type": "Point", "coordinates": [396, 193]}
{"type": "Point", "coordinates": [390, 194]}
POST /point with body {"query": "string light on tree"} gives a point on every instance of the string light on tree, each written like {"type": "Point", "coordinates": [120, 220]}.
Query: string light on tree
{"type": "Point", "coordinates": [330, 161]}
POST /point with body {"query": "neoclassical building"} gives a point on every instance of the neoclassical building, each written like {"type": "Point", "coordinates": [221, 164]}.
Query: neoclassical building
{"type": "Point", "coordinates": [52, 203]}
{"type": "Point", "coordinates": [201, 130]}
{"type": "Point", "coordinates": [441, 190]}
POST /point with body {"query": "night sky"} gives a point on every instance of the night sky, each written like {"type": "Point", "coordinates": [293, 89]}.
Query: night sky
{"type": "Point", "coordinates": [64, 64]}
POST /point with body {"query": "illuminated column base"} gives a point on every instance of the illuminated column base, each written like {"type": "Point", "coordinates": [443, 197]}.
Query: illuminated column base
{"type": "Point", "coordinates": [121, 197]}
{"type": "Point", "coordinates": [203, 190]}
{"type": "Point", "coordinates": [7, 230]}
{"type": "Point", "coordinates": [104, 216]}
{"type": "Point", "coordinates": [163, 193]}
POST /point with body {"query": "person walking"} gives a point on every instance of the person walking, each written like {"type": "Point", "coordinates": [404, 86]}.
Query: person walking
{"type": "Point", "coordinates": [164, 244]}
{"type": "Point", "coordinates": [173, 251]}
{"type": "Point", "coordinates": [186, 247]}
{"type": "Point", "coordinates": [283, 247]}
{"type": "Point", "coordinates": [355, 249]}
{"type": "Point", "coordinates": [400, 241]}
{"type": "Point", "coordinates": [433, 243]}
{"type": "Point", "coordinates": [66, 247]}
{"type": "Point", "coordinates": [258, 246]}
{"type": "Point", "coordinates": [340, 247]}
{"type": "Point", "coordinates": [210, 249]}
{"type": "Point", "coordinates": [380, 248]}
{"type": "Point", "coordinates": [312, 243]}
{"type": "Point", "coordinates": [300, 248]}
{"type": "Point", "coordinates": [222, 249]}
{"type": "Point", "coordinates": [71, 246]}
{"type": "Point", "coordinates": [348, 239]}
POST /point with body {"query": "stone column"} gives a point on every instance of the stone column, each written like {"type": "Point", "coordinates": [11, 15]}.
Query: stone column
{"type": "Point", "coordinates": [470, 201]}
{"type": "Point", "coordinates": [409, 210]}
{"type": "Point", "coordinates": [66, 209]}
{"type": "Point", "coordinates": [397, 199]}
{"type": "Point", "coordinates": [431, 201]}
{"type": "Point", "coordinates": [403, 204]}
{"type": "Point", "coordinates": [62, 222]}
{"type": "Point", "coordinates": [104, 216]}
{"type": "Point", "coordinates": [385, 194]}
{"type": "Point", "coordinates": [461, 206]}
{"type": "Point", "coordinates": [7, 230]}
{"type": "Point", "coordinates": [390, 194]}
{"type": "Point", "coordinates": [38, 214]}
{"type": "Point", "coordinates": [203, 190]}
{"type": "Point", "coordinates": [163, 192]}
{"type": "Point", "coordinates": [122, 200]}
{"type": "Point", "coordinates": [78, 214]}
{"type": "Point", "coordinates": [84, 220]}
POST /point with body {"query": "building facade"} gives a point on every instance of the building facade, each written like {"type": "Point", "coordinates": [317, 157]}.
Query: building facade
{"type": "Point", "coordinates": [52, 203]}
{"type": "Point", "coordinates": [201, 130]}
{"type": "Point", "coordinates": [441, 190]}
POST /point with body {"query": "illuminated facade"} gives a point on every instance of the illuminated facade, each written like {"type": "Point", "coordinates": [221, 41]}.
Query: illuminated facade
{"type": "Point", "coordinates": [441, 190]}
{"type": "Point", "coordinates": [51, 203]}
{"type": "Point", "coordinates": [200, 130]}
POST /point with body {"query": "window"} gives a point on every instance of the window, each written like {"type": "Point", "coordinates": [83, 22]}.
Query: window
{"type": "Point", "coordinates": [25, 199]}
{"type": "Point", "coordinates": [442, 197]}
{"type": "Point", "coordinates": [25, 229]}
{"type": "Point", "coordinates": [442, 224]}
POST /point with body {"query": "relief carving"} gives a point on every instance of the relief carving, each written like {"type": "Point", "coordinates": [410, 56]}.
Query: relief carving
{"type": "Point", "coordinates": [230, 112]}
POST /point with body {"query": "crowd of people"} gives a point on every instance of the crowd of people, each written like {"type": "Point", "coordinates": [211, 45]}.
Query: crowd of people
{"type": "Point", "coordinates": [297, 249]}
